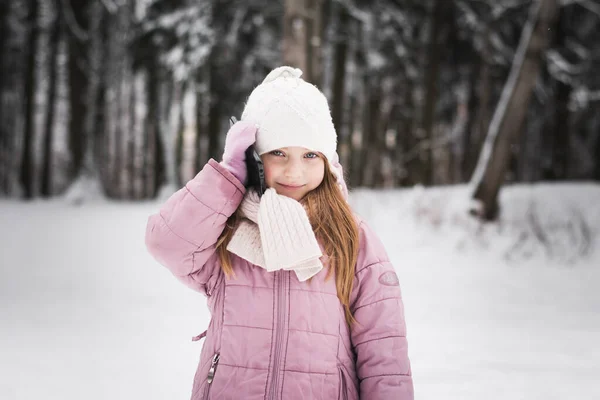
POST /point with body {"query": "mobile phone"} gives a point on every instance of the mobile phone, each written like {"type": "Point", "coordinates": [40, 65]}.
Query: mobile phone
{"type": "Point", "coordinates": [256, 171]}
{"type": "Point", "coordinates": [255, 168]}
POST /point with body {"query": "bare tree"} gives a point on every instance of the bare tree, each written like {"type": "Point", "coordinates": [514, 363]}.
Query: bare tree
{"type": "Point", "coordinates": [27, 172]}
{"type": "Point", "coordinates": [511, 110]}
{"type": "Point", "coordinates": [438, 31]}
{"type": "Point", "coordinates": [302, 33]}
{"type": "Point", "coordinates": [50, 114]}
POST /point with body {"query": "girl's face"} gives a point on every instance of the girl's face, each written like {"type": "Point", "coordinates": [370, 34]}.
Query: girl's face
{"type": "Point", "coordinates": [293, 171]}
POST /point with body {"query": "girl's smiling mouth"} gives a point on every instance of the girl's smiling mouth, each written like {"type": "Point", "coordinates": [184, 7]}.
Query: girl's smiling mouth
{"type": "Point", "coordinates": [290, 186]}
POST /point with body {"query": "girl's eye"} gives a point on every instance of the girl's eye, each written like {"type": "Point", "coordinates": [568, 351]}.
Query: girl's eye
{"type": "Point", "coordinates": [311, 155]}
{"type": "Point", "coordinates": [277, 153]}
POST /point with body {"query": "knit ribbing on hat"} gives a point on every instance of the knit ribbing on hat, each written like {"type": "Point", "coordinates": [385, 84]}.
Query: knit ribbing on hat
{"type": "Point", "coordinates": [290, 112]}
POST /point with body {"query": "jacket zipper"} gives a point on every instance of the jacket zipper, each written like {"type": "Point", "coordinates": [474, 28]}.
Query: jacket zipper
{"type": "Point", "coordinates": [211, 375]}
{"type": "Point", "coordinates": [278, 336]}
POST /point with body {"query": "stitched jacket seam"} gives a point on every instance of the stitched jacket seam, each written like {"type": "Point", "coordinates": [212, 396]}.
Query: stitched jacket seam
{"type": "Point", "coordinates": [180, 237]}
{"type": "Point", "coordinates": [375, 302]}
{"type": "Point", "coordinates": [371, 265]}
{"type": "Point", "coordinates": [376, 376]}
{"type": "Point", "coordinates": [381, 338]}
{"type": "Point", "coordinates": [203, 203]}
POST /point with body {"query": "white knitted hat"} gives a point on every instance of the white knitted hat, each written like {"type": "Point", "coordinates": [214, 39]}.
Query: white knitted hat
{"type": "Point", "coordinates": [291, 112]}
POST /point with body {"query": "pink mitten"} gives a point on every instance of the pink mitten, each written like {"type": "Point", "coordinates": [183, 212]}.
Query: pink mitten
{"type": "Point", "coordinates": [240, 136]}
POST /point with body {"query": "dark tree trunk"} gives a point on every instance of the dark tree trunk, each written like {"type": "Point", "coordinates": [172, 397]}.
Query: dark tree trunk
{"type": "Point", "coordinates": [78, 85]}
{"type": "Point", "coordinates": [4, 34]}
{"type": "Point", "coordinates": [405, 140]}
{"type": "Point", "coordinates": [561, 126]}
{"type": "Point", "coordinates": [5, 150]}
{"type": "Point", "coordinates": [55, 37]}
{"type": "Point", "coordinates": [469, 151]}
{"type": "Point", "coordinates": [358, 107]}
{"type": "Point", "coordinates": [179, 141]}
{"type": "Point", "coordinates": [214, 130]}
{"type": "Point", "coordinates": [597, 155]}
{"type": "Point", "coordinates": [132, 140]}
{"type": "Point", "coordinates": [339, 76]}
{"type": "Point", "coordinates": [26, 176]}
{"type": "Point", "coordinates": [511, 110]}
{"type": "Point", "coordinates": [302, 36]}
{"type": "Point", "coordinates": [370, 154]}
{"type": "Point", "coordinates": [438, 28]}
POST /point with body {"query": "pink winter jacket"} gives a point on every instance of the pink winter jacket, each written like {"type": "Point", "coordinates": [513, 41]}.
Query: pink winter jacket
{"type": "Point", "coordinates": [272, 336]}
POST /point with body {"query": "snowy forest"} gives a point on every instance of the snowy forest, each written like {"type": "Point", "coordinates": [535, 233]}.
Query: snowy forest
{"type": "Point", "coordinates": [136, 94]}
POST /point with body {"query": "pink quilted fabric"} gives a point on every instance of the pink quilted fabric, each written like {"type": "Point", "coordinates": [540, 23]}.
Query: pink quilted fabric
{"type": "Point", "coordinates": [272, 336]}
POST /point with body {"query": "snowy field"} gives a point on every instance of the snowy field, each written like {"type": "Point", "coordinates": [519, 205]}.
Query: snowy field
{"type": "Point", "coordinates": [503, 311]}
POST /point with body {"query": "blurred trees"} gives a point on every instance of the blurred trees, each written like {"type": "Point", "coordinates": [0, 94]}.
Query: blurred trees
{"type": "Point", "coordinates": [137, 93]}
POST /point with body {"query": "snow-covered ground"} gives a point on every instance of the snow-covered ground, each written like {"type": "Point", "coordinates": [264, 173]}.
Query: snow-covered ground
{"type": "Point", "coordinates": [499, 311]}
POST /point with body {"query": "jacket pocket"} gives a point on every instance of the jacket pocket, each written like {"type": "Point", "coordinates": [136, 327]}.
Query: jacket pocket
{"type": "Point", "coordinates": [343, 385]}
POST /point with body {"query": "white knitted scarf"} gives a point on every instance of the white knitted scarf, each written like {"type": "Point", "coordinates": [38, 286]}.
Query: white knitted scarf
{"type": "Point", "coordinates": [276, 234]}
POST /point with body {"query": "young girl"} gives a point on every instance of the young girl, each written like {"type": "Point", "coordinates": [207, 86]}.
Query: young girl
{"type": "Point", "coordinates": [305, 303]}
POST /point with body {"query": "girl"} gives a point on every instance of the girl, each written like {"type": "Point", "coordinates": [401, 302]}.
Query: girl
{"type": "Point", "coordinates": [305, 303]}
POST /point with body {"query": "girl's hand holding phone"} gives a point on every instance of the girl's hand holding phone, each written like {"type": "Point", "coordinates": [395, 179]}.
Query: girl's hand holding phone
{"type": "Point", "coordinates": [240, 136]}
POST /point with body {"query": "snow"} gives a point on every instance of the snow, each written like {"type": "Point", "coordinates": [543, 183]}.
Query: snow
{"type": "Point", "coordinates": [496, 311]}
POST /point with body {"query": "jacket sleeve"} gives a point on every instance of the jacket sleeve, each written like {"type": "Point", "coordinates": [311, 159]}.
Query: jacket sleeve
{"type": "Point", "coordinates": [182, 236]}
{"type": "Point", "coordinates": [379, 334]}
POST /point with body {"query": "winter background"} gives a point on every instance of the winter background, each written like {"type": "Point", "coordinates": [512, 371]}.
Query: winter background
{"type": "Point", "coordinates": [475, 157]}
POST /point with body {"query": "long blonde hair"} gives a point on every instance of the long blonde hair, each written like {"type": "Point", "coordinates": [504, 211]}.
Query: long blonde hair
{"type": "Point", "coordinates": [336, 229]}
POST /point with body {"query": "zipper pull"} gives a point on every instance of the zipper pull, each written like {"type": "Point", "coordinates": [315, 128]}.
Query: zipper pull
{"type": "Point", "coordinates": [213, 368]}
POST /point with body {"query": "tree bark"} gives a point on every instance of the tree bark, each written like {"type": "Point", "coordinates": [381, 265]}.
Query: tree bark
{"type": "Point", "coordinates": [78, 87]}
{"type": "Point", "coordinates": [511, 110]}
{"type": "Point", "coordinates": [26, 177]}
{"type": "Point", "coordinates": [358, 105]}
{"type": "Point", "coordinates": [339, 76]}
{"type": "Point", "coordinates": [561, 143]}
{"type": "Point", "coordinates": [438, 25]}
{"type": "Point", "coordinates": [302, 33]}
{"type": "Point", "coordinates": [55, 36]}
{"type": "Point", "coordinates": [5, 33]}
{"type": "Point", "coordinates": [597, 155]}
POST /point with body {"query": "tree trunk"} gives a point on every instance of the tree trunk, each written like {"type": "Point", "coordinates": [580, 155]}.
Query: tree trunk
{"type": "Point", "coordinates": [302, 33]}
{"type": "Point", "coordinates": [511, 110]}
{"type": "Point", "coordinates": [204, 98]}
{"type": "Point", "coordinates": [79, 88]}
{"type": "Point", "coordinates": [561, 143]}
{"type": "Point", "coordinates": [371, 149]}
{"type": "Point", "coordinates": [171, 103]}
{"type": "Point", "coordinates": [5, 131]}
{"type": "Point", "coordinates": [478, 107]}
{"type": "Point", "coordinates": [438, 29]}
{"type": "Point", "coordinates": [215, 118]}
{"type": "Point", "coordinates": [26, 177]}
{"type": "Point", "coordinates": [405, 139]}
{"type": "Point", "coordinates": [339, 76]}
{"type": "Point", "coordinates": [357, 128]}
{"type": "Point", "coordinates": [55, 36]}
{"type": "Point", "coordinates": [149, 154]}
{"type": "Point", "coordinates": [597, 155]}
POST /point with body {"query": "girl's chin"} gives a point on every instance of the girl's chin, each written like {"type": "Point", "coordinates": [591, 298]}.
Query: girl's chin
{"type": "Point", "coordinates": [292, 194]}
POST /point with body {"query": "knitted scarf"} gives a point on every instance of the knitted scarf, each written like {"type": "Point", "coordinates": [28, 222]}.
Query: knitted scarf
{"type": "Point", "coordinates": [275, 234]}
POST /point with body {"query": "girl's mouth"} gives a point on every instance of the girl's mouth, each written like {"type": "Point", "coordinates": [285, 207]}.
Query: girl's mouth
{"type": "Point", "coordinates": [290, 187]}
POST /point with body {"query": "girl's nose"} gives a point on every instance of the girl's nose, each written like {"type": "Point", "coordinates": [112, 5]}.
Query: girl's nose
{"type": "Point", "coordinates": [293, 169]}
